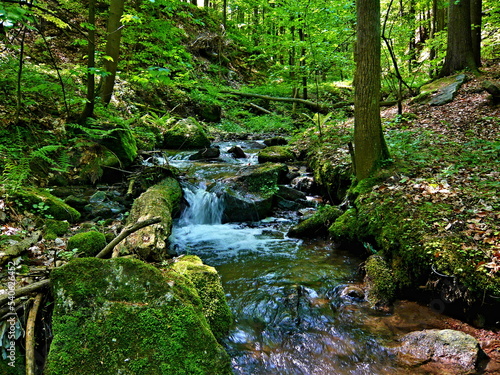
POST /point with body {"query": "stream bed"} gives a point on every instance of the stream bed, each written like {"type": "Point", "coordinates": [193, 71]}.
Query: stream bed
{"type": "Point", "coordinates": [286, 294]}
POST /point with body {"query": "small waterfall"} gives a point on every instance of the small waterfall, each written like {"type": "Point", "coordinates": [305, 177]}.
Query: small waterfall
{"type": "Point", "coordinates": [204, 207]}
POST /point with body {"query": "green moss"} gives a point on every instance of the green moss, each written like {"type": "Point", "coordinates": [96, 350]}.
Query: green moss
{"type": "Point", "coordinates": [276, 154]}
{"type": "Point", "coordinates": [43, 203]}
{"type": "Point", "coordinates": [19, 366]}
{"type": "Point", "coordinates": [346, 227]}
{"type": "Point", "coordinates": [122, 143]}
{"type": "Point", "coordinates": [380, 281]}
{"type": "Point", "coordinates": [186, 134]}
{"type": "Point", "coordinates": [125, 316]}
{"type": "Point", "coordinates": [264, 178]}
{"type": "Point", "coordinates": [54, 228]}
{"type": "Point", "coordinates": [317, 224]}
{"type": "Point", "coordinates": [88, 243]}
{"type": "Point", "coordinates": [207, 283]}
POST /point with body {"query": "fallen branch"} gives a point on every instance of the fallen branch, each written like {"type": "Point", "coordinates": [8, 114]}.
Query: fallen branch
{"type": "Point", "coordinates": [30, 336]}
{"type": "Point", "coordinates": [126, 232]}
{"type": "Point", "coordinates": [253, 105]}
{"type": "Point", "coordinates": [25, 290]}
{"type": "Point", "coordinates": [314, 106]}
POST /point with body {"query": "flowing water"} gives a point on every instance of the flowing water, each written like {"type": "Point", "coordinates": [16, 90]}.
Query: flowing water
{"type": "Point", "coordinates": [291, 317]}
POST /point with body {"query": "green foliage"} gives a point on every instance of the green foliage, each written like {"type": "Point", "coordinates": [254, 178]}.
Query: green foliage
{"type": "Point", "coordinates": [22, 160]}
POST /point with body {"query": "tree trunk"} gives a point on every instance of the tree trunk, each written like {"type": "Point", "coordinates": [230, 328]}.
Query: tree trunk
{"type": "Point", "coordinates": [112, 48]}
{"type": "Point", "coordinates": [224, 13]}
{"type": "Point", "coordinates": [459, 53]}
{"type": "Point", "coordinates": [88, 111]}
{"type": "Point", "coordinates": [369, 144]}
{"type": "Point", "coordinates": [476, 9]}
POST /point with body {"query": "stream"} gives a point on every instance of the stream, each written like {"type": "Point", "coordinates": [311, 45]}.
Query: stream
{"type": "Point", "coordinates": [286, 294]}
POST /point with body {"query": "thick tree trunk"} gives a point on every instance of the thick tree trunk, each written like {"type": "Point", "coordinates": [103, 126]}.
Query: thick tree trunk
{"type": "Point", "coordinates": [459, 53]}
{"type": "Point", "coordinates": [112, 48]}
{"type": "Point", "coordinates": [369, 144]}
{"type": "Point", "coordinates": [476, 9]}
{"type": "Point", "coordinates": [88, 111]}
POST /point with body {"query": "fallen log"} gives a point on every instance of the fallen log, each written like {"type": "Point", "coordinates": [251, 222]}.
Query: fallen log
{"type": "Point", "coordinates": [319, 107]}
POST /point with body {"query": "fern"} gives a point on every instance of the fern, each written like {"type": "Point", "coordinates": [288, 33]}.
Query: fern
{"type": "Point", "coordinates": [94, 133]}
{"type": "Point", "coordinates": [15, 173]}
{"type": "Point", "coordinates": [43, 153]}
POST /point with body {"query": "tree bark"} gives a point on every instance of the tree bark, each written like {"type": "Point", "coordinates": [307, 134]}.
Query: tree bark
{"type": "Point", "coordinates": [369, 144]}
{"type": "Point", "coordinates": [459, 52]}
{"type": "Point", "coordinates": [88, 111]}
{"type": "Point", "coordinates": [476, 15]}
{"type": "Point", "coordinates": [112, 48]}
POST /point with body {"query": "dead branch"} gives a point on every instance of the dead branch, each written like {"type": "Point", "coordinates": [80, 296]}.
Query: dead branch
{"type": "Point", "coordinates": [30, 336]}
{"type": "Point", "coordinates": [25, 290]}
{"type": "Point", "coordinates": [253, 105]}
{"type": "Point", "coordinates": [126, 232]}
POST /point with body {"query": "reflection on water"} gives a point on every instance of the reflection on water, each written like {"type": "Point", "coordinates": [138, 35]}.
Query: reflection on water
{"type": "Point", "coordinates": [285, 293]}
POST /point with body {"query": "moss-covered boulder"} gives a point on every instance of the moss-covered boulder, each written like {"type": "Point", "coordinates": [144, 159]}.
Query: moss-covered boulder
{"type": "Point", "coordinates": [440, 91]}
{"type": "Point", "coordinates": [150, 243]}
{"type": "Point", "coordinates": [186, 134]}
{"type": "Point", "coordinates": [42, 203]}
{"type": "Point", "coordinates": [208, 285]}
{"type": "Point", "coordinates": [123, 316]}
{"type": "Point", "coordinates": [379, 282]}
{"type": "Point", "coordinates": [250, 196]}
{"type": "Point", "coordinates": [121, 142]}
{"type": "Point", "coordinates": [275, 154]}
{"type": "Point", "coordinates": [54, 228]}
{"type": "Point", "coordinates": [89, 243]}
{"type": "Point", "coordinates": [316, 225]}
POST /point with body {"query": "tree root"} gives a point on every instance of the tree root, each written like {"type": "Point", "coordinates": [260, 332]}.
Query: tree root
{"type": "Point", "coordinates": [30, 336]}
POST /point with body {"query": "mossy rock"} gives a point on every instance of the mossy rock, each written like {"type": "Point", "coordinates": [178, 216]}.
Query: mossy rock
{"type": "Point", "coordinates": [151, 243]}
{"type": "Point", "coordinates": [250, 197]}
{"type": "Point", "coordinates": [345, 228]}
{"type": "Point", "coordinates": [264, 177]}
{"type": "Point", "coordinates": [317, 224]}
{"type": "Point", "coordinates": [123, 316]}
{"type": "Point", "coordinates": [208, 285]}
{"type": "Point", "coordinates": [41, 202]}
{"type": "Point", "coordinates": [380, 282]}
{"type": "Point", "coordinates": [54, 228]}
{"type": "Point", "coordinates": [275, 154]}
{"type": "Point", "coordinates": [186, 134]}
{"type": "Point", "coordinates": [122, 143]}
{"type": "Point", "coordinates": [88, 243]}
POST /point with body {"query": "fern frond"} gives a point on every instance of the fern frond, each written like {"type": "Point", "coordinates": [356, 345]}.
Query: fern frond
{"type": "Point", "coordinates": [43, 153]}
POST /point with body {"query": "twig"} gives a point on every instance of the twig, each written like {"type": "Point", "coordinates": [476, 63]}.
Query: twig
{"type": "Point", "coordinates": [30, 336]}
{"type": "Point", "coordinates": [126, 232]}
